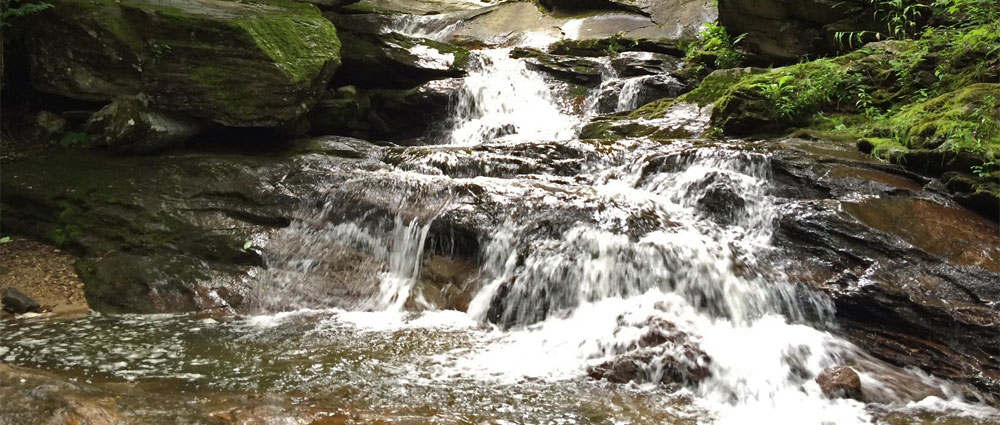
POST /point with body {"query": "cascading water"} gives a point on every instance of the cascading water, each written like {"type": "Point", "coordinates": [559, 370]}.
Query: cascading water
{"type": "Point", "coordinates": [501, 100]}
{"type": "Point", "coordinates": [653, 256]}
{"type": "Point", "coordinates": [628, 97]}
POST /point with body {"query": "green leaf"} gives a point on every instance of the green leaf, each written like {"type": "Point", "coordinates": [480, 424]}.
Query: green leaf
{"type": "Point", "coordinates": [5, 239]}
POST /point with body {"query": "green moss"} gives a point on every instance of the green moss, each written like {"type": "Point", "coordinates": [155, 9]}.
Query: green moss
{"type": "Point", "coordinates": [966, 119]}
{"type": "Point", "coordinates": [299, 45]}
{"type": "Point", "coordinates": [461, 54]}
{"type": "Point", "coordinates": [220, 88]}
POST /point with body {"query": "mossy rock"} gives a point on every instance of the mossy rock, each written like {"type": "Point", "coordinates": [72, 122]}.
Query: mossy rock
{"type": "Point", "coordinates": [256, 63]}
{"type": "Point", "coordinates": [967, 118]}
{"type": "Point", "coordinates": [980, 194]}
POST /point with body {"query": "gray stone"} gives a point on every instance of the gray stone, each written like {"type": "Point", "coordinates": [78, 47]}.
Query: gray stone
{"type": "Point", "coordinates": [18, 302]}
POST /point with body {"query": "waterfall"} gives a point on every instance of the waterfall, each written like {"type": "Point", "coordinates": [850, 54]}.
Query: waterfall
{"type": "Point", "coordinates": [356, 260]}
{"type": "Point", "coordinates": [711, 264]}
{"type": "Point", "coordinates": [673, 237]}
{"type": "Point", "coordinates": [628, 97]}
{"type": "Point", "coordinates": [405, 257]}
{"type": "Point", "coordinates": [502, 100]}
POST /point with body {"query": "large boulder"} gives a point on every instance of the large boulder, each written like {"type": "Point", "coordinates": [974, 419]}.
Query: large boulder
{"type": "Point", "coordinates": [246, 64]}
{"type": "Point", "coordinates": [523, 23]}
{"type": "Point", "coordinates": [913, 276]}
{"type": "Point", "coordinates": [780, 31]}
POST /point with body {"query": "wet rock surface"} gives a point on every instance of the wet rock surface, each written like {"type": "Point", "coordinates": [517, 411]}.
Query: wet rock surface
{"type": "Point", "coordinates": [568, 68]}
{"type": "Point", "coordinates": [40, 398]}
{"type": "Point", "coordinates": [663, 354]}
{"type": "Point", "coordinates": [396, 61]}
{"type": "Point", "coordinates": [150, 238]}
{"type": "Point", "coordinates": [840, 382]}
{"type": "Point", "coordinates": [903, 291]}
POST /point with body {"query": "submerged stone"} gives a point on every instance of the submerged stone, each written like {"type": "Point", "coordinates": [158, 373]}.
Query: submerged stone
{"type": "Point", "coordinates": [840, 382]}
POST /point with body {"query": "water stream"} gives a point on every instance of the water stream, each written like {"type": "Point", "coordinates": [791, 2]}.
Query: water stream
{"type": "Point", "coordinates": [577, 271]}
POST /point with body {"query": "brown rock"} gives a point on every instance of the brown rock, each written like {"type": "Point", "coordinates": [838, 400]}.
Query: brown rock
{"type": "Point", "coordinates": [840, 382]}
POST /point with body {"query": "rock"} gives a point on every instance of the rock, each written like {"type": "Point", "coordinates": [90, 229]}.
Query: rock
{"type": "Point", "coordinates": [720, 198]}
{"type": "Point", "coordinates": [164, 233]}
{"type": "Point", "coordinates": [523, 23]}
{"type": "Point", "coordinates": [686, 116]}
{"type": "Point", "coordinates": [48, 126]}
{"type": "Point", "coordinates": [676, 120]}
{"type": "Point", "coordinates": [18, 302]}
{"type": "Point", "coordinates": [598, 47]}
{"type": "Point", "coordinates": [246, 64]}
{"type": "Point", "coordinates": [405, 116]}
{"type": "Point", "coordinates": [676, 19]}
{"type": "Point", "coordinates": [452, 282]}
{"type": "Point", "coordinates": [976, 193]}
{"type": "Point", "coordinates": [840, 382]}
{"type": "Point", "coordinates": [36, 397]}
{"type": "Point", "coordinates": [782, 32]}
{"type": "Point", "coordinates": [396, 61]}
{"type": "Point", "coordinates": [414, 7]}
{"type": "Point", "coordinates": [634, 64]}
{"type": "Point", "coordinates": [330, 4]}
{"type": "Point", "coordinates": [663, 355]}
{"type": "Point", "coordinates": [342, 115]}
{"type": "Point", "coordinates": [567, 68]}
{"type": "Point", "coordinates": [913, 277]}
{"type": "Point", "coordinates": [629, 94]}
{"type": "Point", "coordinates": [128, 125]}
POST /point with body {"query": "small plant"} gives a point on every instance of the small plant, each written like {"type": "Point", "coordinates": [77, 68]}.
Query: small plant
{"type": "Point", "coordinates": [75, 139]}
{"type": "Point", "coordinates": [714, 40]}
{"type": "Point", "coordinates": [13, 9]}
{"type": "Point", "coordinates": [779, 94]}
{"type": "Point", "coordinates": [617, 43]}
{"type": "Point", "coordinates": [985, 170]}
{"type": "Point", "coordinates": [972, 12]}
{"type": "Point", "coordinates": [901, 18]}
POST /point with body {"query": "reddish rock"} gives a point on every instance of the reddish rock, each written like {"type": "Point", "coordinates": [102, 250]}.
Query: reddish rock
{"type": "Point", "coordinates": [840, 382]}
